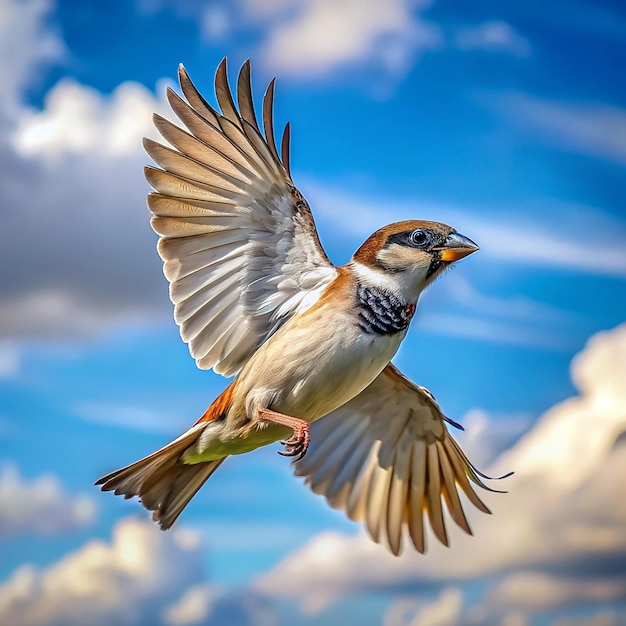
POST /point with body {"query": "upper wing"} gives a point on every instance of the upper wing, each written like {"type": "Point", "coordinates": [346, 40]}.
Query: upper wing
{"type": "Point", "coordinates": [386, 457]}
{"type": "Point", "coordinates": [238, 240]}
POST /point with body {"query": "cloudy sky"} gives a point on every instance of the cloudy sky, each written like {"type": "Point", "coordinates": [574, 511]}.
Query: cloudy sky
{"type": "Point", "coordinates": [503, 119]}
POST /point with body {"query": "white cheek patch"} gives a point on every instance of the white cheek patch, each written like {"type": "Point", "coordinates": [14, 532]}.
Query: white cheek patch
{"type": "Point", "coordinates": [375, 277]}
{"type": "Point", "coordinates": [405, 285]}
{"type": "Point", "coordinates": [398, 257]}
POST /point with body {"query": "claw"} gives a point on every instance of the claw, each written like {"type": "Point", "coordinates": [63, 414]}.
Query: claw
{"type": "Point", "coordinates": [297, 445]}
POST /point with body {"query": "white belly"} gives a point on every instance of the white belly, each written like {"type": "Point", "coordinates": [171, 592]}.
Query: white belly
{"type": "Point", "coordinates": [305, 371]}
{"type": "Point", "coordinates": [309, 374]}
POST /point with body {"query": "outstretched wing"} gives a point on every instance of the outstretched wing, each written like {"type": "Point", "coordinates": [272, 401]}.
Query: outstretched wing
{"type": "Point", "coordinates": [238, 241]}
{"type": "Point", "coordinates": [386, 458]}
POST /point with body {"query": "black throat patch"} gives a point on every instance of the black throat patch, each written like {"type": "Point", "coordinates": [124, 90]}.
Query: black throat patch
{"type": "Point", "coordinates": [381, 313]}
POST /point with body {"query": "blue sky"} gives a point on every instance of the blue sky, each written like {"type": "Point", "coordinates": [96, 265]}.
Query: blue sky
{"type": "Point", "coordinates": [505, 120]}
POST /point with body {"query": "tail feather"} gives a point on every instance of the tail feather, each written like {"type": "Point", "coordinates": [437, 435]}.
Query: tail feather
{"type": "Point", "coordinates": [161, 480]}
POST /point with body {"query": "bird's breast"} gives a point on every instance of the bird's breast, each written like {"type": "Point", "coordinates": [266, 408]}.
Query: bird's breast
{"type": "Point", "coordinates": [309, 369]}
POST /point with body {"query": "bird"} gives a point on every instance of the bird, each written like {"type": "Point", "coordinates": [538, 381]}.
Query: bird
{"type": "Point", "coordinates": [308, 344]}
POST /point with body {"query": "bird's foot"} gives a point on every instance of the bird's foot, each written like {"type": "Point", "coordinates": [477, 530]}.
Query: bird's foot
{"type": "Point", "coordinates": [297, 445]}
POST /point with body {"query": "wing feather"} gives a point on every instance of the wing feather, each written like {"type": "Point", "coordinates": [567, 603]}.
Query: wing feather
{"type": "Point", "coordinates": [416, 496]}
{"type": "Point", "coordinates": [195, 98]}
{"type": "Point", "coordinates": [386, 458]}
{"type": "Point", "coordinates": [244, 95]}
{"type": "Point", "coordinates": [357, 502]}
{"type": "Point", "coordinates": [208, 132]}
{"type": "Point", "coordinates": [190, 294]}
{"type": "Point", "coordinates": [183, 188]}
{"type": "Point", "coordinates": [348, 466]}
{"type": "Point", "coordinates": [223, 95]}
{"type": "Point", "coordinates": [377, 501]}
{"type": "Point", "coordinates": [177, 163]}
{"type": "Point", "coordinates": [164, 206]}
{"type": "Point", "coordinates": [199, 325]}
{"type": "Point", "coordinates": [285, 148]}
{"type": "Point", "coordinates": [199, 151]}
{"type": "Point", "coordinates": [235, 133]}
{"type": "Point", "coordinates": [238, 241]}
{"type": "Point", "coordinates": [450, 494]}
{"type": "Point", "coordinates": [398, 495]}
{"type": "Point", "coordinates": [433, 495]}
{"type": "Point", "coordinates": [268, 118]}
{"type": "Point", "coordinates": [172, 250]}
{"type": "Point", "coordinates": [336, 445]}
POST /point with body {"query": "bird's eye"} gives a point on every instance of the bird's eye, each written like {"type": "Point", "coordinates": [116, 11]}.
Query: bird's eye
{"type": "Point", "coordinates": [418, 237]}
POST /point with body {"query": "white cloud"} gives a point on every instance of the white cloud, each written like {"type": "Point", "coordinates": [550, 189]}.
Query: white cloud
{"type": "Point", "coordinates": [142, 576]}
{"type": "Point", "coordinates": [27, 44]}
{"type": "Point", "coordinates": [79, 120]}
{"type": "Point", "coordinates": [494, 36]}
{"type": "Point", "coordinates": [593, 129]}
{"type": "Point", "coordinates": [77, 248]}
{"type": "Point", "coordinates": [61, 312]}
{"type": "Point", "coordinates": [584, 427]}
{"type": "Point", "coordinates": [563, 512]}
{"type": "Point", "coordinates": [130, 581]}
{"type": "Point", "coordinates": [313, 38]}
{"type": "Point", "coordinates": [40, 506]}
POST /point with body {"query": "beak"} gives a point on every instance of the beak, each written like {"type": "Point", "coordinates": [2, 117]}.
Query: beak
{"type": "Point", "coordinates": [456, 247]}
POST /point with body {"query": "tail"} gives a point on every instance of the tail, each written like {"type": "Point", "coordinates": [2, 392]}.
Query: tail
{"type": "Point", "coordinates": [162, 481]}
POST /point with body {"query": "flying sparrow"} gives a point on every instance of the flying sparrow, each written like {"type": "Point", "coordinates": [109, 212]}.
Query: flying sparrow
{"type": "Point", "coordinates": [310, 343]}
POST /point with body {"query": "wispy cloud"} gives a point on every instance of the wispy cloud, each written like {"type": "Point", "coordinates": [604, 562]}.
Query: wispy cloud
{"type": "Point", "coordinates": [9, 359]}
{"type": "Point", "coordinates": [28, 43]}
{"type": "Point", "coordinates": [134, 417]}
{"type": "Point", "coordinates": [494, 331]}
{"type": "Point", "coordinates": [514, 320]}
{"type": "Point", "coordinates": [493, 36]}
{"type": "Point", "coordinates": [539, 241]}
{"type": "Point", "coordinates": [594, 129]}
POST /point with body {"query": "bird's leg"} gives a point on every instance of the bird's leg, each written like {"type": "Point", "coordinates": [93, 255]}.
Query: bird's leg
{"type": "Point", "coordinates": [298, 443]}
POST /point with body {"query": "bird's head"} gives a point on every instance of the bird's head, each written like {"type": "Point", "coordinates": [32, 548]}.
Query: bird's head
{"type": "Point", "coordinates": [409, 255]}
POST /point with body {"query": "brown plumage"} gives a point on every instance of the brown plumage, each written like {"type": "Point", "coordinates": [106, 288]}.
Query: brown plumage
{"type": "Point", "coordinates": [220, 406]}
